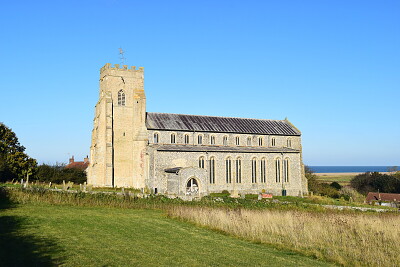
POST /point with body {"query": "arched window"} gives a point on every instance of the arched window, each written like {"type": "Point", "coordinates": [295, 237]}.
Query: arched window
{"type": "Point", "coordinates": [121, 98]}
{"type": "Point", "coordinates": [186, 139]}
{"type": "Point", "coordinates": [201, 162]}
{"type": "Point", "coordinates": [237, 139]}
{"type": "Point", "coordinates": [192, 187]}
{"type": "Point", "coordinates": [212, 140]}
{"type": "Point", "coordinates": [238, 170]}
{"type": "Point", "coordinates": [228, 165]}
{"type": "Point", "coordinates": [254, 170]}
{"type": "Point", "coordinates": [286, 170]}
{"type": "Point", "coordinates": [212, 170]}
{"type": "Point", "coordinates": [225, 141]}
{"type": "Point", "coordinates": [249, 141]}
{"type": "Point", "coordinates": [260, 141]}
{"type": "Point", "coordinates": [278, 170]}
{"type": "Point", "coordinates": [156, 138]}
{"type": "Point", "coordinates": [289, 142]}
{"type": "Point", "coordinates": [173, 138]}
{"type": "Point", "coordinates": [263, 171]}
{"type": "Point", "coordinates": [273, 141]}
{"type": "Point", "coordinates": [200, 139]}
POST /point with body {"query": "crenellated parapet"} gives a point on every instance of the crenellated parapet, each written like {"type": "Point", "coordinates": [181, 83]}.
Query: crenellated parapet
{"type": "Point", "coordinates": [109, 66]}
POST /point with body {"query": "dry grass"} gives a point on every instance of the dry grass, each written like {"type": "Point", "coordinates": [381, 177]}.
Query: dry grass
{"type": "Point", "coordinates": [350, 239]}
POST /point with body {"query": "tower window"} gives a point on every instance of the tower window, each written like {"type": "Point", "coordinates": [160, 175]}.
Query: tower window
{"type": "Point", "coordinates": [121, 98]}
{"type": "Point", "coordinates": [260, 141]}
{"type": "Point", "coordinates": [186, 139]}
{"type": "Point", "coordinates": [273, 141]}
{"type": "Point", "coordinates": [156, 138]}
{"type": "Point", "coordinates": [173, 138]}
{"type": "Point", "coordinates": [237, 140]}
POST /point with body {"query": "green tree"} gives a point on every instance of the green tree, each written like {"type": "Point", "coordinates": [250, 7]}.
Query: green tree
{"type": "Point", "coordinates": [374, 181]}
{"type": "Point", "coordinates": [14, 163]}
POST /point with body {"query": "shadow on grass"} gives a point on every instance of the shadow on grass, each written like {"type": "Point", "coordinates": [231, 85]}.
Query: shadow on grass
{"type": "Point", "coordinates": [19, 249]}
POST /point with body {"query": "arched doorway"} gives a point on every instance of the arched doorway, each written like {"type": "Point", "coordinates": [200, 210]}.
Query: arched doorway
{"type": "Point", "coordinates": [192, 187]}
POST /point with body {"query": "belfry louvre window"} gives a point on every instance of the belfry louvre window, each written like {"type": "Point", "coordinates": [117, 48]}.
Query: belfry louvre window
{"type": "Point", "coordinates": [212, 170]}
{"type": "Point", "coordinates": [273, 141]}
{"type": "Point", "coordinates": [249, 141]}
{"type": "Point", "coordinates": [237, 140]}
{"type": "Point", "coordinates": [201, 162]}
{"type": "Point", "coordinates": [228, 164]}
{"type": "Point", "coordinates": [260, 141]}
{"type": "Point", "coordinates": [199, 139]}
{"type": "Point", "coordinates": [121, 98]}
{"type": "Point", "coordinates": [212, 140]}
{"type": "Point", "coordinates": [186, 139]}
{"type": "Point", "coordinates": [225, 141]}
{"type": "Point", "coordinates": [156, 138]}
{"type": "Point", "coordinates": [286, 170]}
{"type": "Point", "coordinates": [254, 170]}
{"type": "Point", "coordinates": [278, 170]}
{"type": "Point", "coordinates": [263, 171]}
{"type": "Point", "coordinates": [173, 138]}
{"type": "Point", "coordinates": [239, 170]}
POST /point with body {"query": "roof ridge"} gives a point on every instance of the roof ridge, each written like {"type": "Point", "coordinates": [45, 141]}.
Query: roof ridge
{"type": "Point", "coordinates": [214, 116]}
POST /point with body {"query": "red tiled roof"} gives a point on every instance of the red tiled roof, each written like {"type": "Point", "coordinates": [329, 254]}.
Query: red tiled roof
{"type": "Point", "coordinates": [374, 196]}
{"type": "Point", "coordinates": [78, 165]}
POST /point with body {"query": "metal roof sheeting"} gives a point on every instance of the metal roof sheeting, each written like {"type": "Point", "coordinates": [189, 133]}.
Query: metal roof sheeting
{"type": "Point", "coordinates": [196, 123]}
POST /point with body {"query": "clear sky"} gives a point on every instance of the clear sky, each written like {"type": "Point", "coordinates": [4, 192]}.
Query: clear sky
{"type": "Point", "coordinates": [331, 67]}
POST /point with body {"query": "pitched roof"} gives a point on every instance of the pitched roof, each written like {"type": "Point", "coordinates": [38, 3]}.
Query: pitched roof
{"type": "Point", "coordinates": [78, 165]}
{"type": "Point", "coordinates": [180, 122]}
{"type": "Point", "coordinates": [374, 196]}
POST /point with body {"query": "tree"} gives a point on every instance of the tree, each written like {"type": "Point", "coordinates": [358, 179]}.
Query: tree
{"type": "Point", "coordinates": [14, 163]}
{"type": "Point", "coordinates": [375, 181]}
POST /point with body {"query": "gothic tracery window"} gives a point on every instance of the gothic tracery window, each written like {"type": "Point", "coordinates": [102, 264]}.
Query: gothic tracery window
{"type": "Point", "coordinates": [121, 98]}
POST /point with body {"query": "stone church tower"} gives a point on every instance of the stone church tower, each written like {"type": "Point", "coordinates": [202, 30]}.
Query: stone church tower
{"type": "Point", "coordinates": [119, 136]}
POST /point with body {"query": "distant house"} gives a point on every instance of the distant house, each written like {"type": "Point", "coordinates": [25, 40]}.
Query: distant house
{"type": "Point", "coordinates": [82, 165]}
{"type": "Point", "coordinates": [383, 199]}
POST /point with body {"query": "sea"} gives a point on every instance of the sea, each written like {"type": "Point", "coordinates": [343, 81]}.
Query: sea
{"type": "Point", "coordinates": [335, 169]}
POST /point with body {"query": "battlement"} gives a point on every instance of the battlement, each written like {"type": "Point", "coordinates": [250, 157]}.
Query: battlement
{"type": "Point", "coordinates": [108, 66]}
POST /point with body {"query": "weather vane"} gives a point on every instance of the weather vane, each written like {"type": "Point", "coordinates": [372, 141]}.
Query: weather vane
{"type": "Point", "coordinates": [121, 56]}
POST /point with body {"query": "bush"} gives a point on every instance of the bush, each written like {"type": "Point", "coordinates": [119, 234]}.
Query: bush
{"type": "Point", "coordinates": [58, 173]}
{"type": "Point", "coordinates": [375, 181]}
{"type": "Point", "coordinates": [336, 185]}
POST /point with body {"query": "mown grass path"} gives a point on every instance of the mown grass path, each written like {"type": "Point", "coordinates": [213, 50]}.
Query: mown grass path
{"type": "Point", "coordinates": [46, 235]}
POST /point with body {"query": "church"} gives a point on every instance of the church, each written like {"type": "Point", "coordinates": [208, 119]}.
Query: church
{"type": "Point", "coordinates": [187, 156]}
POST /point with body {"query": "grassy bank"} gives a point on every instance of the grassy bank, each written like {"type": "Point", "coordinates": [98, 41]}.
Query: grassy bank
{"type": "Point", "coordinates": [34, 232]}
{"type": "Point", "coordinates": [347, 239]}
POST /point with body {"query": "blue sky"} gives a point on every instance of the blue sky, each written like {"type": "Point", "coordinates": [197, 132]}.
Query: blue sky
{"type": "Point", "coordinates": [331, 67]}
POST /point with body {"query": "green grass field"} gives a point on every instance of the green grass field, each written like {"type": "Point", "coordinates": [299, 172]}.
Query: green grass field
{"type": "Point", "coordinates": [39, 234]}
{"type": "Point", "coordinates": [342, 179]}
